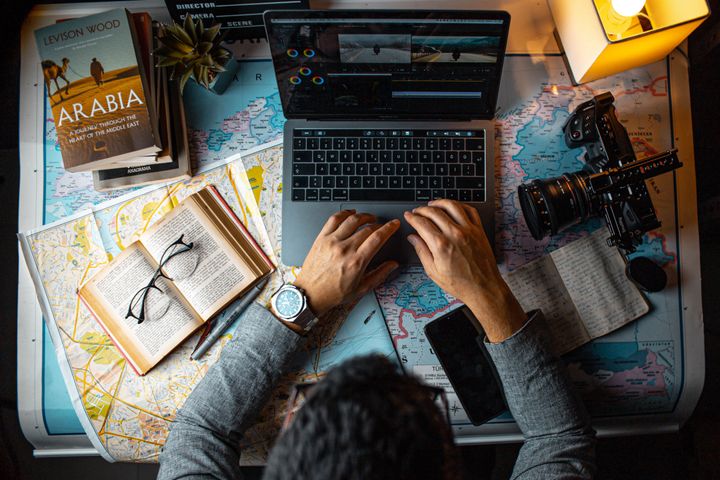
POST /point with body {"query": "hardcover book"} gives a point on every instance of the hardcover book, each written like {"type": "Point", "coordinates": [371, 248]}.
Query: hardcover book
{"type": "Point", "coordinates": [207, 259]}
{"type": "Point", "coordinates": [98, 91]}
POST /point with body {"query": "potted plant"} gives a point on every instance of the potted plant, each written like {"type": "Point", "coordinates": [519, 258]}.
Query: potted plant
{"type": "Point", "coordinates": [192, 51]}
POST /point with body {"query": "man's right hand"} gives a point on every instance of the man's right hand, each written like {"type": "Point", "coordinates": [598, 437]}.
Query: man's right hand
{"type": "Point", "coordinates": [456, 254]}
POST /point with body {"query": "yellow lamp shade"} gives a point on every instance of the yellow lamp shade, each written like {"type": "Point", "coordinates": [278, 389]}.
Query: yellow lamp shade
{"type": "Point", "coordinates": [603, 37]}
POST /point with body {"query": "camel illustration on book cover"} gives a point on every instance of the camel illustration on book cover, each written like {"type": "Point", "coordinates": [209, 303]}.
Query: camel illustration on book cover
{"type": "Point", "coordinates": [96, 89]}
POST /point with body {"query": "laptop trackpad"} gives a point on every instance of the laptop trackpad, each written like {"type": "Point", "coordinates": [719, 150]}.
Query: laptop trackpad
{"type": "Point", "coordinates": [397, 248]}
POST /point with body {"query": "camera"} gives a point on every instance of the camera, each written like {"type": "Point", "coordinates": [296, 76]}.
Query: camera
{"type": "Point", "coordinates": [611, 185]}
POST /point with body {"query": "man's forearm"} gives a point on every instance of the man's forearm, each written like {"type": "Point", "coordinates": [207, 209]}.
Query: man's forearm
{"type": "Point", "coordinates": [204, 439]}
{"type": "Point", "coordinates": [559, 441]}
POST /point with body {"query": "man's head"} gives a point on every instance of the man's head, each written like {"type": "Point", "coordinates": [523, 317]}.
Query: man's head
{"type": "Point", "coordinates": [365, 421]}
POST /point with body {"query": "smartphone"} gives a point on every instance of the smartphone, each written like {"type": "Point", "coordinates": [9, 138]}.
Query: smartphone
{"type": "Point", "coordinates": [458, 341]}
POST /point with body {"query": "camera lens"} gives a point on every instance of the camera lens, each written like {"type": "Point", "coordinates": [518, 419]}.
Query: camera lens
{"type": "Point", "coordinates": [551, 205]}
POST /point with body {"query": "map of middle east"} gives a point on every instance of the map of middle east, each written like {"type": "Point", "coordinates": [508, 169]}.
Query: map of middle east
{"type": "Point", "coordinates": [635, 370]}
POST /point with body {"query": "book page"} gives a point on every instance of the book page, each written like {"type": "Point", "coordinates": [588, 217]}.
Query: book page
{"type": "Point", "coordinates": [594, 275]}
{"type": "Point", "coordinates": [167, 319]}
{"type": "Point", "coordinates": [210, 275]}
{"type": "Point", "coordinates": [538, 285]}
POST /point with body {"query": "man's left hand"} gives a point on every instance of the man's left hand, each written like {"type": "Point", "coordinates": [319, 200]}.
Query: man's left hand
{"type": "Point", "coordinates": [334, 272]}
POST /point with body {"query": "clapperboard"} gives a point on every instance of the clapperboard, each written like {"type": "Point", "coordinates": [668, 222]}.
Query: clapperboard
{"type": "Point", "coordinates": [238, 19]}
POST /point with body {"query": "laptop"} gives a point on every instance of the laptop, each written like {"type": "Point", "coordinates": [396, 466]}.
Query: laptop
{"type": "Point", "coordinates": [385, 111]}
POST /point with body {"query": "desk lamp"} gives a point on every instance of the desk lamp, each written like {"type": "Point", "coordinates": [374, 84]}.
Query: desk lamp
{"type": "Point", "coordinates": [603, 37]}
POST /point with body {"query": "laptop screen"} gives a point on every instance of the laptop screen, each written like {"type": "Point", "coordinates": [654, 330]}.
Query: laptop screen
{"type": "Point", "coordinates": [387, 64]}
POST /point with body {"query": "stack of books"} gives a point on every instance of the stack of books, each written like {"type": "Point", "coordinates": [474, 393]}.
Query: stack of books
{"type": "Point", "coordinates": [115, 113]}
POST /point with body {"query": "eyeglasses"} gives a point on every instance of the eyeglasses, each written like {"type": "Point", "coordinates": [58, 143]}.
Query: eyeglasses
{"type": "Point", "coordinates": [152, 295]}
{"type": "Point", "coordinates": [302, 391]}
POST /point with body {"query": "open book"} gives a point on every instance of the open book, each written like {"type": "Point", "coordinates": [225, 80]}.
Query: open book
{"type": "Point", "coordinates": [582, 290]}
{"type": "Point", "coordinates": [223, 264]}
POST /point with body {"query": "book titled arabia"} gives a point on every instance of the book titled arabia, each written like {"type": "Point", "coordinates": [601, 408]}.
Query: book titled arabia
{"type": "Point", "coordinates": [98, 91]}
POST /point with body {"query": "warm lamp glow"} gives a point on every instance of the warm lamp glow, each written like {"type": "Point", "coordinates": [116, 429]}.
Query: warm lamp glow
{"type": "Point", "coordinates": [628, 8]}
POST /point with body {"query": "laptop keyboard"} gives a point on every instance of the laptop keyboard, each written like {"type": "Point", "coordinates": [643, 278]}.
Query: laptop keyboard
{"type": "Point", "coordinates": [388, 165]}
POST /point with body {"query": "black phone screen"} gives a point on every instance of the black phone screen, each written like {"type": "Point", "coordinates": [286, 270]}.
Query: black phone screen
{"type": "Point", "coordinates": [457, 340]}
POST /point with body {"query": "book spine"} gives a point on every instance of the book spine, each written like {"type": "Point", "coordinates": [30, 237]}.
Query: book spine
{"type": "Point", "coordinates": [219, 198]}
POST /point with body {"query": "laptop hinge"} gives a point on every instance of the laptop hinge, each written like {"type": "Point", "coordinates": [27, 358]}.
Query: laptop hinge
{"type": "Point", "coordinates": [392, 119]}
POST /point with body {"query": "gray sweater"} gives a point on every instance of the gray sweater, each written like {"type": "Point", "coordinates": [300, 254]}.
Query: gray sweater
{"type": "Point", "coordinates": [205, 437]}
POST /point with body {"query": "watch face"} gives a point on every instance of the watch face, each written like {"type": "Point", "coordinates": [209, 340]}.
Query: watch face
{"type": "Point", "coordinates": [289, 303]}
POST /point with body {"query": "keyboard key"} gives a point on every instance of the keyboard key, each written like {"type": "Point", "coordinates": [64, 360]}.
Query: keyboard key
{"type": "Point", "coordinates": [375, 169]}
{"type": "Point", "coordinates": [411, 156]}
{"type": "Point", "coordinates": [451, 157]}
{"type": "Point", "coordinates": [332, 156]}
{"type": "Point", "coordinates": [345, 156]}
{"type": "Point", "coordinates": [465, 157]}
{"type": "Point", "coordinates": [318, 156]}
{"type": "Point", "coordinates": [298, 195]}
{"type": "Point", "coordinates": [445, 144]}
{"type": "Point", "coordinates": [302, 157]}
{"type": "Point", "coordinates": [382, 195]}
{"type": "Point", "coordinates": [311, 195]}
{"type": "Point", "coordinates": [395, 182]}
{"type": "Point", "coordinates": [368, 182]}
{"type": "Point", "coordinates": [402, 169]}
{"type": "Point", "coordinates": [358, 157]}
{"type": "Point", "coordinates": [408, 182]}
{"type": "Point", "coordinates": [421, 182]}
{"type": "Point", "coordinates": [468, 169]}
{"type": "Point", "coordinates": [355, 182]}
{"type": "Point", "coordinates": [392, 144]}
{"type": "Point", "coordinates": [300, 182]}
{"type": "Point", "coordinates": [385, 157]}
{"type": "Point", "coordinates": [299, 144]}
{"type": "Point", "coordinates": [418, 144]}
{"type": "Point", "coordinates": [438, 157]}
{"type": "Point", "coordinates": [431, 144]}
{"type": "Point", "coordinates": [435, 182]}
{"type": "Point", "coordinates": [428, 169]}
{"type": "Point", "coordinates": [405, 144]}
{"type": "Point", "coordinates": [315, 182]}
{"type": "Point", "coordinates": [313, 143]}
{"type": "Point", "coordinates": [438, 194]}
{"type": "Point", "coordinates": [455, 170]}
{"type": "Point", "coordinates": [398, 156]}
{"type": "Point", "coordinates": [474, 144]}
{"type": "Point", "coordinates": [381, 182]}
{"type": "Point", "coordinates": [352, 143]}
{"type": "Point", "coordinates": [348, 169]}
{"type": "Point", "coordinates": [326, 143]}
{"type": "Point", "coordinates": [338, 143]}
{"type": "Point", "coordinates": [441, 169]}
{"type": "Point", "coordinates": [415, 170]}
{"type": "Point", "coordinates": [388, 169]}
{"type": "Point", "coordinates": [448, 182]}
{"type": "Point", "coordinates": [371, 156]}
{"type": "Point", "coordinates": [328, 182]}
{"type": "Point", "coordinates": [365, 143]}
{"type": "Point", "coordinates": [425, 157]}
{"type": "Point", "coordinates": [335, 169]}
{"type": "Point", "coordinates": [304, 169]}
{"type": "Point", "coordinates": [465, 195]}
{"type": "Point", "coordinates": [341, 181]}
{"type": "Point", "coordinates": [340, 194]}
{"type": "Point", "coordinates": [325, 194]}
{"type": "Point", "coordinates": [321, 169]}
{"type": "Point", "coordinates": [451, 194]}
{"type": "Point", "coordinates": [470, 182]}
{"type": "Point", "coordinates": [458, 144]}
{"type": "Point", "coordinates": [362, 169]}
{"type": "Point", "coordinates": [378, 144]}
{"type": "Point", "coordinates": [478, 195]}
{"type": "Point", "coordinates": [423, 195]}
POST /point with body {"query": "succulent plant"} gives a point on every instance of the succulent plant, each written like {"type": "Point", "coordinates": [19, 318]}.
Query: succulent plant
{"type": "Point", "coordinates": [191, 49]}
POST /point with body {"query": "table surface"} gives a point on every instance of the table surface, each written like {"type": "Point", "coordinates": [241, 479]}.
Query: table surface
{"type": "Point", "coordinates": [46, 412]}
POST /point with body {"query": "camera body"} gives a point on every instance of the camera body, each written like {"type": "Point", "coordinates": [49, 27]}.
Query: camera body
{"type": "Point", "coordinates": [611, 185]}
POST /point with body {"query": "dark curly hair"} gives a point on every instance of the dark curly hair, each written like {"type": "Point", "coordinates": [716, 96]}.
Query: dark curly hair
{"type": "Point", "coordinates": [366, 421]}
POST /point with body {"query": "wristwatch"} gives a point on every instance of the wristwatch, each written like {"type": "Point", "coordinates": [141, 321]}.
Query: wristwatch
{"type": "Point", "coordinates": [289, 304]}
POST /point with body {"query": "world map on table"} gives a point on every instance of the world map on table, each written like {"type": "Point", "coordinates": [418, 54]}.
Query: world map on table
{"type": "Point", "coordinates": [635, 370]}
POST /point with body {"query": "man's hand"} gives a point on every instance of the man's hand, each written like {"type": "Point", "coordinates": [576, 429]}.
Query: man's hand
{"type": "Point", "coordinates": [334, 270]}
{"type": "Point", "coordinates": [455, 252]}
